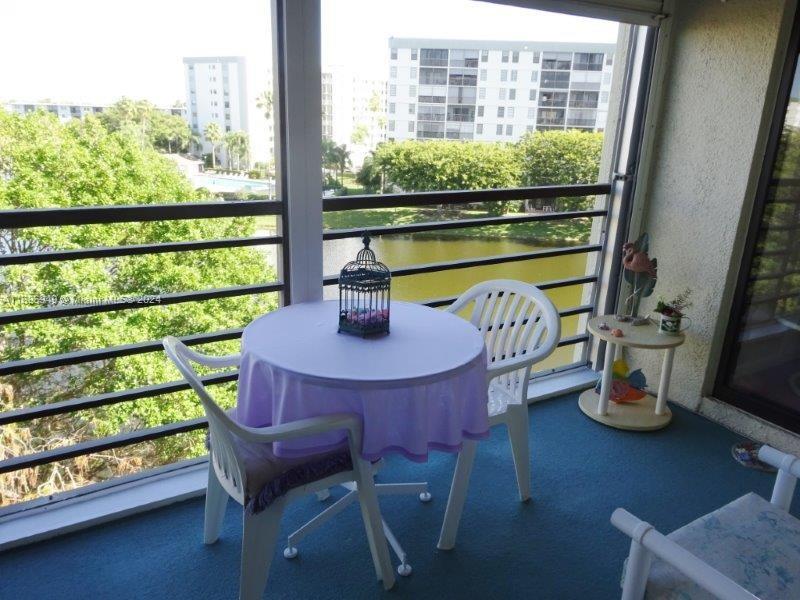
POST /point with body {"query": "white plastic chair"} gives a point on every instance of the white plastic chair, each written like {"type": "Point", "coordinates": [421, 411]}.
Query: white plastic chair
{"type": "Point", "coordinates": [521, 327]}
{"type": "Point", "coordinates": [232, 468]}
{"type": "Point", "coordinates": [750, 545]}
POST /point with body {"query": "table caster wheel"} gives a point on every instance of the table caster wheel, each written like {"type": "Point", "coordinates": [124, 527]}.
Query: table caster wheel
{"type": "Point", "coordinates": [404, 570]}
{"type": "Point", "coordinates": [425, 496]}
{"type": "Point", "coordinates": [289, 552]}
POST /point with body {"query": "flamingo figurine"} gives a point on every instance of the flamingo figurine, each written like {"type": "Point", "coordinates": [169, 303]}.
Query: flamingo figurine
{"type": "Point", "coordinates": [641, 272]}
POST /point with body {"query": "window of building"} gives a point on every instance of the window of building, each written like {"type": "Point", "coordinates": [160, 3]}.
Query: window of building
{"type": "Point", "coordinates": [536, 58]}
{"type": "Point", "coordinates": [479, 128]}
{"type": "Point", "coordinates": [513, 75]}
{"type": "Point", "coordinates": [482, 93]}
{"type": "Point", "coordinates": [609, 59]}
{"type": "Point", "coordinates": [394, 54]}
{"type": "Point", "coordinates": [464, 58]}
{"type": "Point", "coordinates": [499, 130]}
{"type": "Point", "coordinates": [579, 99]}
{"type": "Point", "coordinates": [391, 124]}
{"type": "Point", "coordinates": [459, 76]}
{"type": "Point", "coordinates": [483, 74]}
{"type": "Point", "coordinates": [411, 126]}
{"type": "Point", "coordinates": [504, 56]}
{"type": "Point", "coordinates": [480, 111]}
{"type": "Point", "coordinates": [430, 57]}
{"type": "Point", "coordinates": [392, 90]}
{"type": "Point", "coordinates": [413, 54]}
{"type": "Point", "coordinates": [431, 113]}
{"type": "Point", "coordinates": [555, 79]}
{"type": "Point", "coordinates": [515, 57]}
{"type": "Point", "coordinates": [504, 75]}
{"type": "Point", "coordinates": [393, 72]}
{"type": "Point", "coordinates": [510, 112]}
{"type": "Point", "coordinates": [501, 111]}
{"type": "Point", "coordinates": [588, 61]}
{"type": "Point", "coordinates": [532, 96]}
{"type": "Point", "coordinates": [412, 90]}
{"type": "Point", "coordinates": [512, 94]}
{"type": "Point", "coordinates": [501, 94]}
{"type": "Point", "coordinates": [534, 76]}
{"type": "Point", "coordinates": [484, 56]}
{"type": "Point", "coordinates": [531, 112]}
{"type": "Point", "coordinates": [429, 76]}
{"type": "Point", "coordinates": [392, 108]}
{"type": "Point", "coordinates": [412, 108]}
{"type": "Point", "coordinates": [557, 61]}
{"type": "Point", "coordinates": [461, 114]}
{"type": "Point", "coordinates": [413, 73]}
{"type": "Point", "coordinates": [461, 95]}
{"type": "Point", "coordinates": [509, 130]}
{"type": "Point", "coordinates": [553, 99]}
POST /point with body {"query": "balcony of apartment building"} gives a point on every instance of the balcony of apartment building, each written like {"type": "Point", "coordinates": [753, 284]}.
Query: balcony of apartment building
{"type": "Point", "coordinates": [699, 154]}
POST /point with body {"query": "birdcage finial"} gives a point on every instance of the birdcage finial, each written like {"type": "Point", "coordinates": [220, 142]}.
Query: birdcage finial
{"type": "Point", "coordinates": [366, 239]}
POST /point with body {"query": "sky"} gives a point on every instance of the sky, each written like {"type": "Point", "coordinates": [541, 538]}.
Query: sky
{"type": "Point", "coordinates": [94, 51]}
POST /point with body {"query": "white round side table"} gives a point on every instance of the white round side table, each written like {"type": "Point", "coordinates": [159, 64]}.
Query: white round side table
{"type": "Point", "coordinates": [650, 412]}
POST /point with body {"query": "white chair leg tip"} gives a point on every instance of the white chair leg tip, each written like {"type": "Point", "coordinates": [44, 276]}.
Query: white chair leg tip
{"type": "Point", "coordinates": [425, 497]}
{"type": "Point", "coordinates": [289, 552]}
{"type": "Point", "coordinates": [404, 570]}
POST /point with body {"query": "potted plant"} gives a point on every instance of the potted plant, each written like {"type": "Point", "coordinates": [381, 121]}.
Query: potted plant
{"type": "Point", "coordinates": [672, 312]}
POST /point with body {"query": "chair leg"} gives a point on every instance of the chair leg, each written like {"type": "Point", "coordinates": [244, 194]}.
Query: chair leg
{"type": "Point", "coordinates": [636, 571]}
{"type": "Point", "coordinates": [259, 535]}
{"type": "Point", "coordinates": [518, 432]}
{"type": "Point", "coordinates": [458, 494]}
{"type": "Point", "coordinates": [373, 524]}
{"type": "Point", "coordinates": [216, 501]}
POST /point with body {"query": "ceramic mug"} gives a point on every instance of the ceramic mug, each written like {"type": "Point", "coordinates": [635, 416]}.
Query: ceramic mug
{"type": "Point", "coordinates": [671, 324]}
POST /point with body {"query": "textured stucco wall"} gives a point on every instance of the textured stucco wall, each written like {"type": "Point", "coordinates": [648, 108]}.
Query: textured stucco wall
{"type": "Point", "coordinates": [715, 92]}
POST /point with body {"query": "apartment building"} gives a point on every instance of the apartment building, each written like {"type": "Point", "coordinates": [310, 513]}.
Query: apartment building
{"type": "Point", "coordinates": [66, 111]}
{"type": "Point", "coordinates": [217, 92]}
{"type": "Point", "coordinates": [353, 110]}
{"type": "Point", "coordinates": [495, 90]}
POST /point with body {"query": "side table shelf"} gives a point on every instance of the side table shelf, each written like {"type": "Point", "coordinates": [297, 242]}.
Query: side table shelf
{"type": "Point", "coordinates": [649, 413]}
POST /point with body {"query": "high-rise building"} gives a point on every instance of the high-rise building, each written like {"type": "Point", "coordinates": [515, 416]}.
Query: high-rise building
{"type": "Point", "coordinates": [353, 110]}
{"type": "Point", "coordinates": [217, 92]}
{"type": "Point", "coordinates": [495, 90]}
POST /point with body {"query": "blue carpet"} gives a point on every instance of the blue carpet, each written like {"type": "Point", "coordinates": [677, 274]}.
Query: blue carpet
{"type": "Point", "coordinates": [560, 545]}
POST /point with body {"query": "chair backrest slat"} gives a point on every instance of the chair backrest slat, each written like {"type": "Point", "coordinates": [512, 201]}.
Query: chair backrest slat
{"type": "Point", "coordinates": [222, 450]}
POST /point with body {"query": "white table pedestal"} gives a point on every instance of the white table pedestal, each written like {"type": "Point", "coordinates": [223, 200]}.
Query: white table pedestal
{"type": "Point", "coordinates": [649, 413]}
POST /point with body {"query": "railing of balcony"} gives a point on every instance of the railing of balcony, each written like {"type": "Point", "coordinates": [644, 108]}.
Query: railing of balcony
{"type": "Point", "coordinates": [79, 216]}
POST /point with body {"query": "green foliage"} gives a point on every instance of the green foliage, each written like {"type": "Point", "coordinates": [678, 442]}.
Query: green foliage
{"type": "Point", "coordinates": [149, 125]}
{"type": "Point", "coordinates": [369, 176]}
{"type": "Point", "coordinates": [214, 136]}
{"type": "Point", "coordinates": [238, 145]}
{"type": "Point", "coordinates": [48, 164]}
{"type": "Point", "coordinates": [560, 158]}
{"type": "Point", "coordinates": [444, 165]}
{"type": "Point", "coordinates": [360, 134]}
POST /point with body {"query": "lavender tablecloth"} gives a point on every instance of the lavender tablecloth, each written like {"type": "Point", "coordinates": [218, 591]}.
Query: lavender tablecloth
{"type": "Point", "coordinates": [421, 387]}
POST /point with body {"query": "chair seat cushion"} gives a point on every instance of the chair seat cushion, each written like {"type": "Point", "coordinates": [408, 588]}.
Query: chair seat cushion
{"type": "Point", "coordinates": [269, 477]}
{"type": "Point", "coordinates": [751, 541]}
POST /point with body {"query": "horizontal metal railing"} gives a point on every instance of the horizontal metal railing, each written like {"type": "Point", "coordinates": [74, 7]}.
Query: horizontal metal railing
{"type": "Point", "coordinates": [55, 217]}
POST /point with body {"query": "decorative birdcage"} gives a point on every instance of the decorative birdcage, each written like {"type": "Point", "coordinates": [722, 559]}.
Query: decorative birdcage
{"type": "Point", "coordinates": [364, 289]}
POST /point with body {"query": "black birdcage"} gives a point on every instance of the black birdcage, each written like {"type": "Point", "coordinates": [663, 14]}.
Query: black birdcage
{"type": "Point", "coordinates": [364, 287]}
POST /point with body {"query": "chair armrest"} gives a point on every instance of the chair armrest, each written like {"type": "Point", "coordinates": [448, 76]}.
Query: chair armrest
{"type": "Point", "coordinates": [301, 428]}
{"type": "Point", "coordinates": [675, 555]}
{"type": "Point", "coordinates": [217, 362]}
{"type": "Point", "coordinates": [788, 471]}
{"type": "Point", "coordinates": [522, 361]}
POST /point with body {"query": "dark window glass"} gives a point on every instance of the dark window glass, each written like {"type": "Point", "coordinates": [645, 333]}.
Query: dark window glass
{"type": "Point", "coordinates": [428, 76]}
{"type": "Point", "coordinates": [432, 57]}
{"type": "Point", "coordinates": [555, 79]}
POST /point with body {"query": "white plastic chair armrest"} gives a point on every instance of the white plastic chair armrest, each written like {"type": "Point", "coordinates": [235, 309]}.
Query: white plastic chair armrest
{"type": "Point", "coordinates": [507, 365]}
{"type": "Point", "coordinates": [788, 467]}
{"type": "Point", "coordinates": [673, 554]}
{"type": "Point", "coordinates": [300, 428]}
{"type": "Point", "coordinates": [217, 362]}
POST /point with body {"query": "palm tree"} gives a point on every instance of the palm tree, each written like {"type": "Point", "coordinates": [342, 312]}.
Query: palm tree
{"type": "Point", "coordinates": [213, 135]}
{"type": "Point", "coordinates": [238, 145]}
{"type": "Point", "coordinates": [264, 103]}
{"type": "Point", "coordinates": [342, 156]}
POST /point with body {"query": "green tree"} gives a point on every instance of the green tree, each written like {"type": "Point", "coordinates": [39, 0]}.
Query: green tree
{"type": "Point", "coordinates": [369, 176]}
{"type": "Point", "coordinates": [341, 157]}
{"type": "Point", "coordinates": [148, 124]}
{"type": "Point", "coordinates": [44, 163]}
{"type": "Point", "coordinates": [561, 158]}
{"type": "Point", "coordinates": [213, 135]}
{"type": "Point", "coordinates": [238, 145]}
{"type": "Point", "coordinates": [418, 166]}
{"type": "Point", "coordinates": [360, 134]}
{"type": "Point", "coordinates": [264, 103]}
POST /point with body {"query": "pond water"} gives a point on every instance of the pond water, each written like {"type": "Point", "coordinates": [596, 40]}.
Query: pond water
{"type": "Point", "coordinates": [400, 251]}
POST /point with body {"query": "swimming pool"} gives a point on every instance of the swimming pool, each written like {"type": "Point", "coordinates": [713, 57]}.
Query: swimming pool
{"type": "Point", "coordinates": [216, 183]}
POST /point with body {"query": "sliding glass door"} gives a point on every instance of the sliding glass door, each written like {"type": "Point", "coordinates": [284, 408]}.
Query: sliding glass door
{"type": "Point", "coordinates": [760, 368]}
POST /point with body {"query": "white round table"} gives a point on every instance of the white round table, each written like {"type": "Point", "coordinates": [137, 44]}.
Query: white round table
{"type": "Point", "coordinates": [420, 387]}
{"type": "Point", "coordinates": [650, 412]}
